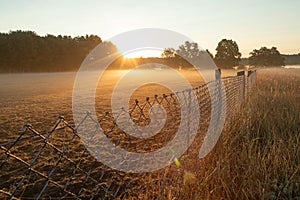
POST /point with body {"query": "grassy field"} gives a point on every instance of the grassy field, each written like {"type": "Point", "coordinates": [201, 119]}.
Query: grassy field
{"type": "Point", "coordinates": [38, 98]}
{"type": "Point", "coordinates": [258, 155]}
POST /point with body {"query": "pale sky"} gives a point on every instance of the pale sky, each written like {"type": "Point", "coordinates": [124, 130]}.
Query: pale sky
{"type": "Point", "coordinates": [252, 24]}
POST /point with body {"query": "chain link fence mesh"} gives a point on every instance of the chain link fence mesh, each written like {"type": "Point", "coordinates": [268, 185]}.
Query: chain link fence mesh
{"type": "Point", "coordinates": [56, 164]}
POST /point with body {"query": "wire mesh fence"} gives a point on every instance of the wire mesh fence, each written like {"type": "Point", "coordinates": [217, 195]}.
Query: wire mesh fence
{"type": "Point", "coordinates": [56, 163]}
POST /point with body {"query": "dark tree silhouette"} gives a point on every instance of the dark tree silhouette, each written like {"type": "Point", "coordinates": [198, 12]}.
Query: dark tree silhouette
{"type": "Point", "coordinates": [228, 54]}
{"type": "Point", "coordinates": [188, 50]}
{"type": "Point", "coordinates": [266, 57]}
{"type": "Point", "coordinates": [187, 55]}
{"type": "Point", "coordinates": [168, 53]}
{"type": "Point", "coordinates": [25, 51]}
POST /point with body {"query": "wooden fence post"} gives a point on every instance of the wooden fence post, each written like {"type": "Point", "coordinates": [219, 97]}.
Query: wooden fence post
{"type": "Point", "coordinates": [218, 74]}
{"type": "Point", "coordinates": [242, 73]}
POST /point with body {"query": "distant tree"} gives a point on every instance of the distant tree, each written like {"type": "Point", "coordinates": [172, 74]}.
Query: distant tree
{"type": "Point", "coordinates": [188, 50]}
{"type": "Point", "coordinates": [266, 57]}
{"type": "Point", "coordinates": [228, 54]}
{"type": "Point", "coordinates": [168, 53]}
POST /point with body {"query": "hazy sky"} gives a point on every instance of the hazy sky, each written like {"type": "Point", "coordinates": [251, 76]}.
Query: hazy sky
{"type": "Point", "coordinates": [251, 24]}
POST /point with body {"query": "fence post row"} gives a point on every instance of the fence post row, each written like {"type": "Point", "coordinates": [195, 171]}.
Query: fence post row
{"type": "Point", "coordinates": [60, 165]}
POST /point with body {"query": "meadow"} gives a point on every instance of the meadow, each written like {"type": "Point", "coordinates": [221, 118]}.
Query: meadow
{"type": "Point", "coordinates": [39, 98]}
{"type": "Point", "coordinates": [257, 156]}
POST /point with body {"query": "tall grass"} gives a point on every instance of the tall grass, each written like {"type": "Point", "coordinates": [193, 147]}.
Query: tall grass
{"type": "Point", "coordinates": [258, 155]}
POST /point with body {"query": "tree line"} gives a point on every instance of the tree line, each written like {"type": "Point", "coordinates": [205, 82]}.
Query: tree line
{"type": "Point", "coordinates": [293, 59]}
{"type": "Point", "coordinates": [25, 51]}
{"type": "Point", "coordinates": [228, 55]}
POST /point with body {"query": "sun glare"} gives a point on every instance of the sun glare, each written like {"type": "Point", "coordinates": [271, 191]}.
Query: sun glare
{"type": "Point", "coordinates": [143, 53]}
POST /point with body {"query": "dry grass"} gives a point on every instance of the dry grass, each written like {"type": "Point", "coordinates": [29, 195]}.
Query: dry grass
{"type": "Point", "coordinates": [38, 98]}
{"type": "Point", "coordinates": [258, 156]}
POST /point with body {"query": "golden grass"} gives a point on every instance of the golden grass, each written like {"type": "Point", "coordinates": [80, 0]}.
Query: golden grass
{"type": "Point", "coordinates": [258, 155]}
{"type": "Point", "coordinates": [38, 98]}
